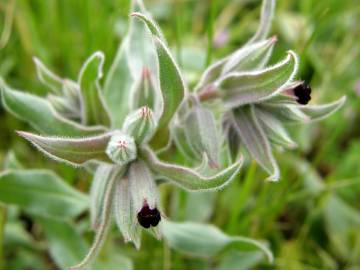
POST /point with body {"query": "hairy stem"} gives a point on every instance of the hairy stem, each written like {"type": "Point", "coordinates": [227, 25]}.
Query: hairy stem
{"type": "Point", "coordinates": [209, 92]}
{"type": "Point", "coordinates": [104, 225]}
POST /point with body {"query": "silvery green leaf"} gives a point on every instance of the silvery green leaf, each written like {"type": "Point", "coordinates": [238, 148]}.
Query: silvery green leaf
{"type": "Point", "coordinates": [211, 74]}
{"type": "Point", "coordinates": [201, 133]}
{"type": "Point", "coordinates": [239, 260]}
{"type": "Point", "coordinates": [41, 192]}
{"type": "Point", "coordinates": [71, 91]}
{"type": "Point", "coordinates": [285, 113]}
{"type": "Point", "coordinates": [267, 13]}
{"type": "Point", "coordinates": [11, 161]}
{"type": "Point", "coordinates": [254, 139]}
{"type": "Point", "coordinates": [179, 137]}
{"type": "Point", "coordinates": [318, 112]}
{"type": "Point", "coordinates": [39, 113]}
{"type": "Point", "coordinates": [142, 186]}
{"type": "Point", "coordinates": [188, 178]}
{"type": "Point", "coordinates": [102, 230]}
{"type": "Point", "coordinates": [97, 191]}
{"type": "Point", "coordinates": [274, 129]}
{"type": "Point", "coordinates": [64, 107]}
{"type": "Point", "coordinates": [150, 23]}
{"type": "Point", "coordinates": [47, 77]}
{"type": "Point", "coordinates": [140, 50]}
{"type": "Point", "coordinates": [171, 83]}
{"type": "Point", "coordinates": [144, 92]}
{"type": "Point", "coordinates": [117, 88]}
{"type": "Point", "coordinates": [65, 242]}
{"type": "Point", "coordinates": [204, 240]}
{"type": "Point", "coordinates": [281, 100]}
{"type": "Point", "coordinates": [121, 148]}
{"type": "Point", "coordinates": [250, 57]}
{"type": "Point", "coordinates": [256, 86]}
{"type": "Point", "coordinates": [74, 151]}
{"type": "Point", "coordinates": [93, 108]}
{"type": "Point", "coordinates": [231, 136]}
{"type": "Point", "coordinates": [140, 124]}
{"type": "Point", "coordinates": [125, 215]}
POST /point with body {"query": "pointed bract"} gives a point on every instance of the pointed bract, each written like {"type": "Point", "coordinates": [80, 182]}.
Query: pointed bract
{"type": "Point", "coordinates": [202, 134]}
{"type": "Point", "coordinates": [254, 139]}
{"type": "Point", "coordinates": [189, 179]}
{"type": "Point", "coordinates": [253, 87]}
{"type": "Point", "coordinates": [47, 77]}
{"type": "Point", "coordinates": [74, 151]}
{"type": "Point", "coordinates": [93, 108]}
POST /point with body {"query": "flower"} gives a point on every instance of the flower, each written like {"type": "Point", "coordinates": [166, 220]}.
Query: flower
{"type": "Point", "coordinates": [260, 100]}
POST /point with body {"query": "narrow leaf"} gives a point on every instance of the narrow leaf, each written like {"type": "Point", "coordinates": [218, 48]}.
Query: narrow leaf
{"type": "Point", "coordinates": [204, 240]}
{"type": "Point", "coordinates": [41, 115]}
{"type": "Point", "coordinates": [267, 13]}
{"type": "Point", "coordinates": [256, 86]}
{"type": "Point", "coordinates": [274, 129]}
{"type": "Point", "coordinates": [93, 108]}
{"type": "Point", "coordinates": [42, 193]}
{"type": "Point", "coordinates": [72, 151]}
{"type": "Point", "coordinates": [250, 57]}
{"type": "Point", "coordinates": [211, 73]}
{"type": "Point", "coordinates": [318, 112]}
{"type": "Point", "coordinates": [117, 86]}
{"type": "Point", "coordinates": [140, 50]}
{"type": "Point", "coordinates": [202, 134]}
{"type": "Point", "coordinates": [188, 178]}
{"type": "Point", "coordinates": [171, 83]}
{"type": "Point", "coordinates": [47, 77]}
{"type": "Point", "coordinates": [151, 25]}
{"type": "Point", "coordinates": [181, 142]}
{"type": "Point", "coordinates": [66, 245]}
{"type": "Point", "coordinates": [255, 140]}
{"type": "Point", "coordinates": [97, 193]}
{"type": "Point", "coordinates": [285, 113]}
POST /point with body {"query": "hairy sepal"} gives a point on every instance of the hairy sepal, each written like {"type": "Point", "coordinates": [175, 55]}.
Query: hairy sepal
{"type": "Point", "coordinates": [125, 215]}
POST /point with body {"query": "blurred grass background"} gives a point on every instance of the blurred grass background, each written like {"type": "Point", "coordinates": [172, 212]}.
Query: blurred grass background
{"type": "Point", "coordinates": [311, 217]}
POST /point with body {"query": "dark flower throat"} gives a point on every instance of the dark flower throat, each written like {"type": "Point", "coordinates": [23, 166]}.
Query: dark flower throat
{"type": "Point", "coordinates": [303, 93]}
{"type": "Point", "coordinates": [148, 217]}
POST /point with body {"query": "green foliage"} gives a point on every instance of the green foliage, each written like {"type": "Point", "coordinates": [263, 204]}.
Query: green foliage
{"type": "Point", "coordinates": [310, 218]}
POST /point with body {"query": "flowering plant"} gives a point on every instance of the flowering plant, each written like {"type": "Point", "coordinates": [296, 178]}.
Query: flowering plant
{"type": "Point", "coordinates": [119, 130]}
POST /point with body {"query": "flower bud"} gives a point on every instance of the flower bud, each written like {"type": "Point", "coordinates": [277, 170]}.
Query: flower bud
{"type": "Point", "coordinates": [121, 148]}
{"type": "Point", "coordinates": [140, 124]}
{"type": "Point", "coordinates": [144, 91]}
